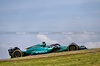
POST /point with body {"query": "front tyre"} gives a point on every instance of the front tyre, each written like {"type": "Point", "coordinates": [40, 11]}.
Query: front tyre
{"type": "Point", "coordinates": [17, 53]}
{"type": "Point", "coordinates": [73, 47]}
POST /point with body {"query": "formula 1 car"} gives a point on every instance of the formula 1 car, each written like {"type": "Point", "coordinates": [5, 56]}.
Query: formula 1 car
{"type": "Point", "coordinates": [42, 48]}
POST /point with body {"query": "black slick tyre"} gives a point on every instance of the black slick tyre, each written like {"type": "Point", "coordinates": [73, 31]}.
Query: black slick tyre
{"type": "Point", "coordinates": [17, 53]}
{"type": "Point", "coordinates": [73, 47]}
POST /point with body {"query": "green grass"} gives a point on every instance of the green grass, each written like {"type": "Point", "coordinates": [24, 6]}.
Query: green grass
{"type": "Point", "coordinates": [88, 59]}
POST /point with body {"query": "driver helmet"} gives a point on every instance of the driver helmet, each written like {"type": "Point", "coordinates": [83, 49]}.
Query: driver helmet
{"type": "Point", "coordinates": [43, 43]}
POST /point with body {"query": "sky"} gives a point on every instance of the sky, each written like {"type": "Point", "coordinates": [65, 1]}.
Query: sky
{"type": "Point", "coordinates": [24, 23]}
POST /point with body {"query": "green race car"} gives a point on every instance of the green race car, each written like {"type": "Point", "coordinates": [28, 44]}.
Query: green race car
{"type": "Point", "coordinates": [42, 48]}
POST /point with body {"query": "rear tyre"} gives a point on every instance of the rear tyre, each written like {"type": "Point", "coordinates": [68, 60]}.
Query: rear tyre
{"type": "Point", "coordinates": [17, 53]}
{"type": "Point", "coordinates": [16, 48]}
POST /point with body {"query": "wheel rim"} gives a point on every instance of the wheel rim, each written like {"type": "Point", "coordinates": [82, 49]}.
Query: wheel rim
{"type": "Point", "coordinates": [17, 54]}
{"type": "Point", "coordinates": [72, 48]}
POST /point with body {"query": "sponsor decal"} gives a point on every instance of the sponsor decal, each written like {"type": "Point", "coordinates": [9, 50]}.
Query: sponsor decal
{"type": "Point", "coordinates": [43, 51]}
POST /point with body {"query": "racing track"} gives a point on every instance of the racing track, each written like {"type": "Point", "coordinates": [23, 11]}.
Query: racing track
{"type": "Point", "coordinates": [54, 54]}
